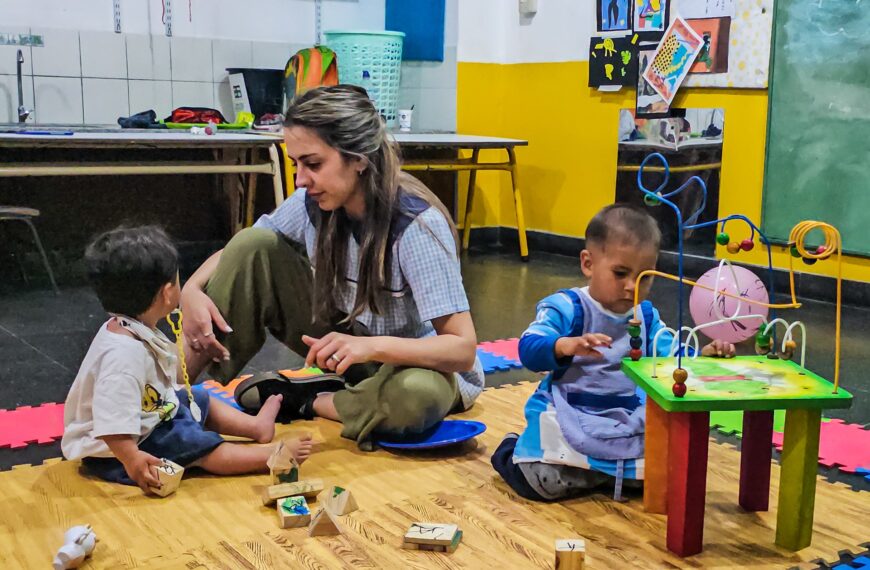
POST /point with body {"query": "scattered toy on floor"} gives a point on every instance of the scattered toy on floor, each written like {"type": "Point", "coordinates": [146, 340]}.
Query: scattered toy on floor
{"type": "Point", "coordinates": [293, 512]}
{"type": "Point", "coordinates": [323, 524]}
{"type": "Point", "coordinates": [79, 542]}
{"type": "Point", "coordinates": [337, 500]}
{"type": "Point", "coordinates": [308, 488]}
{"type": "Point", "coordinates": [570, 554]}
{"type": "Point", "coordinates": [169, 474]}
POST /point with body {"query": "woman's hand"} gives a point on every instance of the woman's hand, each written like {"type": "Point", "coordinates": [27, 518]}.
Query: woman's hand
{"type": "Point", "coordinates": [337, 351]}
{"type": "Point", "coordinates": [581, 345]}
{"type": "Point", "coordinates": [200, 316]}
{"type": "Point", "coordinates": [718, 348]}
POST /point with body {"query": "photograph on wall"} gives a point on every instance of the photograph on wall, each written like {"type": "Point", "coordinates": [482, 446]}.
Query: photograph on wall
{"type": "Point", "coordinates": [613, 61]}
{"type": "Point", "coordinates": [614, 15]}
{"type": "Point", "coordinates": [713, 57]}
{"type": "Point", "coordinates": [674, 56]}
{"type": "Point", "coordinates": [651, 15]}
{"type": "Point", "coordinates": [650, 104]}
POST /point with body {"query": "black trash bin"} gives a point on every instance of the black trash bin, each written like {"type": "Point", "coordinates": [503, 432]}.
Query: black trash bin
{"type": "Point", "coordinates": [265, 89]}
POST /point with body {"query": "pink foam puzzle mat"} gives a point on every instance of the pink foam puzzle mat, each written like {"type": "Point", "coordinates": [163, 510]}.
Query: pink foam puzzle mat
{"type": "Point", "coordinates": [499, 355]}
{"type": "Point", "coordinates": [841, 445]}
{"type": "Point", "coordinates": [25, 425]}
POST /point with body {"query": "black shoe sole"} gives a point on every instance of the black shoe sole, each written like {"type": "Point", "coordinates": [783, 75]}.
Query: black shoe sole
{"type": "Point", "coordinates": [295, 391]}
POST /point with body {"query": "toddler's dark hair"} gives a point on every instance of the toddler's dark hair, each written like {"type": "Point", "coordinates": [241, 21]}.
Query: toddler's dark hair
{"type": "Point", "coordinates": [624, 223]}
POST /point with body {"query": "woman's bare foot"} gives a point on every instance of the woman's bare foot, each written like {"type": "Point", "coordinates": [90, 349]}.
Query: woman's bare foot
{"type": "Point", "coordinates": [300, 447]}
{"type": "Point", "coordinates": [264, 430]}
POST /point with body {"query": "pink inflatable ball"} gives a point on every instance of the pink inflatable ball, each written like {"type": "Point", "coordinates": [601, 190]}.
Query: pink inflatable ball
{"type": "Point", "coordinates": [703, 303]}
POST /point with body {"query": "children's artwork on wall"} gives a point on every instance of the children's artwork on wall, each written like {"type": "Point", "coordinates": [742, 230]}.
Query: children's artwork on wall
{"type": "Point", "coordinates": [708, 8]}
{"type": "Point", "coordinates": [649, 103]}
{"type": "Point", "coordinates": [614, 15]}
{"type": "Point", "coordinates": [713, 57]}
{"type": "Point", "coordinates": [613, 61]}
{"type": "Point", "coordinates": [674, 56]}
{"type": "Point", "coordinates": [651, 15]}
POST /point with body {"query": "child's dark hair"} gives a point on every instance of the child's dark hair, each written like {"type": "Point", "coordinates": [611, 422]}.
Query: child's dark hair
{"type": "Point", "coordinates": [623, 223]}
{"type": "Point", "coordinates": [128, 266]}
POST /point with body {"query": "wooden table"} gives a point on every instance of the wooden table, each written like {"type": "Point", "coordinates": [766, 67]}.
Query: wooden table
{"type": "Point", "coordinates": [677, 435]}
{"type": "Point", "coordinates": [232, 153]}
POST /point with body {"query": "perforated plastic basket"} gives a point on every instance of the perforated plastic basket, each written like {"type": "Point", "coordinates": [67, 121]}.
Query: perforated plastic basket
{"type": "Point", "coordinates": [372, 60]}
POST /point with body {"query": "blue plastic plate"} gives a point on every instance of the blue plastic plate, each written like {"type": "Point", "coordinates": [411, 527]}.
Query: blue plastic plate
{"type": "Point", "coordinates": [445, 433]}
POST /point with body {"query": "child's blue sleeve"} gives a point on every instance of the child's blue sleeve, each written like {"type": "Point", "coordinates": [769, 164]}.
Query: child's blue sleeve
{"type": "Point", "coordinates": [554, 319]}
{"type": "Point", "coordinates": [663, 345]}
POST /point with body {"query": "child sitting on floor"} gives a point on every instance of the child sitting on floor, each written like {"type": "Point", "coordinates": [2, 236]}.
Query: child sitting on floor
{"type": "Point", "coordinates": [124, 412]}
{"type": "Point", "coordinates": [585, 423]}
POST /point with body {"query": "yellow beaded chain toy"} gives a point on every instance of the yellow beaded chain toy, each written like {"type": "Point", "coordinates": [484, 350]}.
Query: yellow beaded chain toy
{"type": "Point", "coordinates": [176, 330]}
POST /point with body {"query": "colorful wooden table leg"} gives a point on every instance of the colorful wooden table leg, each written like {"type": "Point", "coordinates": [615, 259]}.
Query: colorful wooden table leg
{"type": "Point", "coordinates": [655, 488]}
{"type": "Point", "coordinates": [755, 460]}
{"type": "Point", "coordinates": [797, 480]}
{"type": "Point", "coordinates": [687, 481]}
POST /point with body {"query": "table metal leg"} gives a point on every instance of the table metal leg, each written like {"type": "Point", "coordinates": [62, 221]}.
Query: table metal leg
{"type": "Point", "coordinates": [469, 200]}
{"type": "Point", "coordinates": [755, 460]}
{"type": "Point", "coordinates": [797, 480]}
{"type": "Point", "coordinates": [518, 206]}
{"type": "Point", "coordinates": [687, 481]}
{"type": "Point", "coordinates": [655, 458]}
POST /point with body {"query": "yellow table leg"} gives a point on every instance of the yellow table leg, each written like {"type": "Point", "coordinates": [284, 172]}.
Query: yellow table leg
{"type": "Point", "coordinates": [469, 199]}
{"type": "Point", "coordinates": [797, 480]}
{"type": "Point", "coordinates": [655, 459]}
{"type": "Point", "coordinates": [518, 206]}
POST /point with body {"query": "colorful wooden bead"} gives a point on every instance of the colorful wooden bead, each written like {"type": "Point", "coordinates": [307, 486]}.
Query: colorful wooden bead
{"type": "Point", "coordinates": [635, 354]}
{"type": "Point", "coordinates": [634, 323]}
{"type": "Point", "coordinates": [747, 245]}
{"type": "Point", "coordinates": [821, 249]}
{"type": "Point", "coordinates": [634, 330]}
{"type": "Point", "coordinates": [810, 261]}
{"type": "Point", "coordinates": [651, 200]}
{"type": "Point", "coordinates": [680, 375]}
{"type": "Point", "coordinates": [722, 238]}
{"type": "Point", "coordinates": [762, 339]}
{"type": "Point", "coordinates": [635, 342]}
{"type": "Point", "coordinates": [733, 247]}
{"type": "Point", "coordinates": [761, 350]}
{"type": "Point", "coordinates": [679, 390]}
{"type": "Point", "coordinates": [794, 251]}
{"type": "Point", "coordinates": [788, 349]}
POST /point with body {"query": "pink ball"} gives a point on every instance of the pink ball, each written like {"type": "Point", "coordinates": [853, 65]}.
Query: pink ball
{"type": "Point", "coordinates": [702, 303]}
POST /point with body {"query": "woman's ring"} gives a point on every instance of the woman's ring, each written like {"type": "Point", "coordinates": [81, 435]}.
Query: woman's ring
{"type": "Point", "coordinates": [335, 358]}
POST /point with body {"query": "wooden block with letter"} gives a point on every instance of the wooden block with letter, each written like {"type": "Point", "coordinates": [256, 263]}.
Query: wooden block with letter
{"type": "Point", "coordinates": [338, 500]}
{"type": "Point", "coordinates": [454, 544]}
{"type": "Point", "coordinates": [308, 488]}
{"type": "Point", "coordinates": [439, 537]}
{"type": "Point", "coordinates": [169, 474]}
{"type": "Point", "coordinates": [570, 554]}
{"type": "Point", "coordinates": [323, 524]}
{"type": "Point", "coordinates": [293, 512]}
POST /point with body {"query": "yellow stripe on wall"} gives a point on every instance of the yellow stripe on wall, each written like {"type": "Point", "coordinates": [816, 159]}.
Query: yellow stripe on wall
{"type": "Point", "coordinates": [568, 171]}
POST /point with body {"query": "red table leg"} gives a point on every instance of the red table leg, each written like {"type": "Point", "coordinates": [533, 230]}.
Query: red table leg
{"type": "Point", "coordinates": [687, 481]}
{"type": "Point", "coordinates": [755, 460]}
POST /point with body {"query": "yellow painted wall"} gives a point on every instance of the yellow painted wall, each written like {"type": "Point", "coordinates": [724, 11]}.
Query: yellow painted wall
{"type": "Point", "coordinates": [568, 171]}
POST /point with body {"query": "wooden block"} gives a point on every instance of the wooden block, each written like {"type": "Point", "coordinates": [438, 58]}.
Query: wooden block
{"type": "Point", "coordinates": [655, 486]}
{"type": "Point", "coordinates": [323, 524]}
{"type": "Point", "coordinates": [283, 467]}
{"type": "Point", "coordinates": [570, 554]}
{"type": "Point", "coordinates": [308, 488]}
{"type": "Point", "coordinates": [454, 544]}
{"type": "Point", "coordinates": [754, 494]}
{"type": "Point", "coordinates": [687, 481]}
{"type": "Point", "coordinates": [169, 474]}
{"type": "Point", "coordinates": [338, 500]}
{"type": "Point", "coordinates": [293, 512]}
{"type": "Point", "coordinates": [431, 533]}
{"type": "Point", "coordinates": [797, 479]}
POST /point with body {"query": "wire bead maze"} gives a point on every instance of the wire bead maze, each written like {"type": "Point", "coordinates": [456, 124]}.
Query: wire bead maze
{"type": "Point", "coordinates": [765, 338]}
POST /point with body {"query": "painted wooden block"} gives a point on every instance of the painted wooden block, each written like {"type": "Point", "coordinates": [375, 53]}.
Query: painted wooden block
{"type": "Point", "coordinates": [431, 533]}
{"type": "Point", "coordinates": [293, 512]}
{"type": "Point", "coordinates": [308, 488]}
{"type": "Point", "coordinates": [454, 544]}
{"type": "Point", "coordinates": [323, 524]}
{"type": "Point", "coordinates": [338, 500]}
{"type": "Point", "coordinates": [283, 467]}
{"type": "Point", "coordinates": [570, 554]}
{"type": "Point", "coordinates": [169, 474]}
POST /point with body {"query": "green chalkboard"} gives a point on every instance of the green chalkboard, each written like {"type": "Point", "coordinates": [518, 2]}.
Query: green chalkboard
{"type": "Point", "coordinates": [818, 147]}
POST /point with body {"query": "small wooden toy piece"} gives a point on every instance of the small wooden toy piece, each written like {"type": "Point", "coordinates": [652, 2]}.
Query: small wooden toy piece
{"type": "Point", "coordinates": [570, 554]}
{"type": "Point", "coordinates": [293, 512]}
{"type": "Point", "coordinates": [733, 247]}
{"type": "Point", "coordinates": [169, 474]}
{"type": "Point", "coordinates": [679, 390]}
{"type": "Point", "coordinates": [680, 375]}
{"type": "Point", "coordinates": [283, 467]}
{"type": "Point", "coordinates": [747, 245]}
{"type": "Point", "coordinates": [635, 353]}
{"type": "Point", "coordinates": [454, 544]}
{"type": "Point", "coordinates": [323, 524]}
{"type": "Point", "coordinates": [651, 200]}
{"type": "Point", "coordinates": [307, 488]}
{"type": "Point", "coordinates": [441, 534]}
{"type": "Point", "coordinates": [337, 500]}
{"type": "Point", "coordinates": [788, 351]}
{"type": "Point", "coordinates": [722, 238]}
{"type": "Point", "coordinates": [79, 542]}
{"type": "Point", "coordinates": [762, 343]}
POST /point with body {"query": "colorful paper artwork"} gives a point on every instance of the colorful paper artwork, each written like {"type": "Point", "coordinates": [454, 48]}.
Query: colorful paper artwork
{"type": "Point", "coordinates": [674, 56]}
{"type": "Point", "coordinates": [613, 61]}
{"type": "Point", "coordinates": [650, 104]}
{"type": "Point", "coordinates": [713, 57]}
{"type": "Point", "coordinates": [650, 15]}
{"type": "Point", "coordinates": [614, 15]}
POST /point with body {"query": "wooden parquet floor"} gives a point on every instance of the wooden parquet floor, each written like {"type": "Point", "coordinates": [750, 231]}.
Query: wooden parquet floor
{"type": "Point", "coordinates": [220, 522]}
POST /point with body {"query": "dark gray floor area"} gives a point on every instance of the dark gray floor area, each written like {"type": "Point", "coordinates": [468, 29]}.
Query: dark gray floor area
{"type": "Point", "coordinates": [43, 337]}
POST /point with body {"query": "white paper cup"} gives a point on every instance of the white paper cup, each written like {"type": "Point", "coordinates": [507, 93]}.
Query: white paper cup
{"type": "Point", "coordinates": [405, 119]}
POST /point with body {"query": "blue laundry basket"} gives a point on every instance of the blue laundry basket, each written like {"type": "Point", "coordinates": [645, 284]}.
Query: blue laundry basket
{"type": "Point", "coordinates": [372, 60]}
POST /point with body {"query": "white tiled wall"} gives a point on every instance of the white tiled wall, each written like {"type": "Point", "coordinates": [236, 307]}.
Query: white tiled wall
{"type": "Point", "coordinates": [430, 86]}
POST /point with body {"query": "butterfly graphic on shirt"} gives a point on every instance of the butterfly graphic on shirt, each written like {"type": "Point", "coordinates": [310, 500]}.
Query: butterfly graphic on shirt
{"type": "Point", "coordinates": [153, 402]}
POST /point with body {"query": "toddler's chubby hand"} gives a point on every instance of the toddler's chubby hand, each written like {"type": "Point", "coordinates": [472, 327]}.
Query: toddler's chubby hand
{"type": "Point", "coordinates": [582, 345]}
{"type": "Point", "coordinates": [718, 348]}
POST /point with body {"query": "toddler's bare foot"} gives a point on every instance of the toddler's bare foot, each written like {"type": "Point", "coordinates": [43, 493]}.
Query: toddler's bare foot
{"type": "Point", "coordinates": [264, 430]}
{"type": "Point", "coordinates": [299, 447]}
